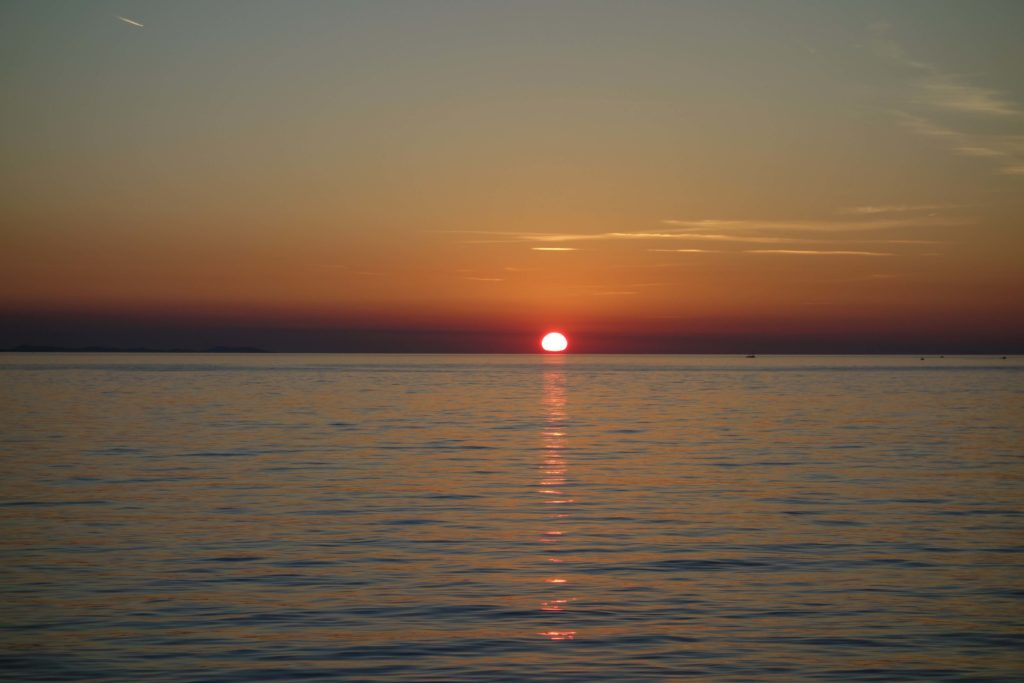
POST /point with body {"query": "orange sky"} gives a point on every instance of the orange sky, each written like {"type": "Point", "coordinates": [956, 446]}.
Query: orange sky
{"type": "Point", "coordinates": [793, 175]}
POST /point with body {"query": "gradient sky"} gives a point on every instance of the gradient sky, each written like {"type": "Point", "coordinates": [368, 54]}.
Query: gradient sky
{"type": "Point", "coordinates": [440, 175]}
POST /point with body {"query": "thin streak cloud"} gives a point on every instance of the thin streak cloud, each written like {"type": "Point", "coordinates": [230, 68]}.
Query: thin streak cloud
{"type": "Point", "coordinates": [729, 230]}
{"type": "Point", "coordinates": [940, 89]}
{"type": "Point", "coordinates": [901, 208]}
{"type": "Point", "coordinates": [825, 225]}
{"type": "Point", "coordinates": [737, 238]}
{"type": "Point", "coordinates": [687, 251]}
{"type": "Point", "coordinates": [1008, 150]}
{"type": "Point", "coordinates": [130, 21]}
{"type": "Point", "coordinates": [951, 97]}
{"type": "Point", "coordinates": [951, 92]}
{"type": "Point", "coordinates": [801, 252]}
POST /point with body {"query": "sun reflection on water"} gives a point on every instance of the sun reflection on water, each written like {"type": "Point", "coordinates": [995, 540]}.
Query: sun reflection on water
{"type": "Point", "coordinates": [554, 471]}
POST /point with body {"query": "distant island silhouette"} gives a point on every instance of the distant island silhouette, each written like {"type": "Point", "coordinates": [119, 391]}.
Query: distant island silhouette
{"type": "Point", "coordinates": [38, 348]}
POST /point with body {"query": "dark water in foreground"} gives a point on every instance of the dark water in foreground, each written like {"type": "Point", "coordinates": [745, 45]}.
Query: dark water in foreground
{"type": "Point", "coordinates": [510, 518]}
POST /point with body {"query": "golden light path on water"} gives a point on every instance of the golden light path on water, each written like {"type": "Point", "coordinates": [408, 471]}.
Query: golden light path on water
{"type": "Point", "coordinates": [553, 486]}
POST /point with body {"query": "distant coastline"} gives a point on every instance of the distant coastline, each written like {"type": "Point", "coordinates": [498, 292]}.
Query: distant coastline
{"type": "Point", "coordinates": [37, 348]}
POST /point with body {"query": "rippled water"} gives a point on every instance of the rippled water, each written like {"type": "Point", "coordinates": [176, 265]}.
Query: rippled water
{"type": "Point", "coordinates": [510, 518]}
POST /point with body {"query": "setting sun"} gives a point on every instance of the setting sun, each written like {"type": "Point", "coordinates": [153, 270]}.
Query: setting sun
{"type": "Point", "coordinates": [554, 342]}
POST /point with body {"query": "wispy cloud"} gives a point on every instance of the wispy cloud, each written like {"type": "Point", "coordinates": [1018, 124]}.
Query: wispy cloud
{"type": "Point", "coordinates": [484, 279]}
{"type": "Point", "coordinates": [822, 225]}
{"type": "Point", "coordinates": [951, 92]}
{"type": "Point", "coordinates": [130, 21]}
{"type": "Point", "coordinates": [909, 242]}
{"type": "Point", "coordinates": [845, 229]}
{"type": "Point", "coordinates": [726, 230]}
{"type": "Point", "coordinates": [801, 252]}
{"type": "Point", "coordinates": [899, 208]}
{"type": "Point", "coordinates": [687, 251]}
{"type": "Point", "coordinates": [949, 107]}
{"type": "Point", "coordinates": [941, 89]}
{"type": "Point", "coordinates": [1007, 150]}
{"type": "Point", "coordinates": [759, 239]}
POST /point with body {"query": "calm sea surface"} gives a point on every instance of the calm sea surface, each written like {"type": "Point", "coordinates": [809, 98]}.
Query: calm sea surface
{"type": "Point", "coordinates": [510, 518]}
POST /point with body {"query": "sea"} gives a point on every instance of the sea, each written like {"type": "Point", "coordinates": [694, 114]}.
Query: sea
{"type": "Point", "coordinates": [277, 517]}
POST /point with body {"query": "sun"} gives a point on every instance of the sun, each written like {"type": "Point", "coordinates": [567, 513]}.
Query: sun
{"type": "Point", "coordinates": [554, 342]}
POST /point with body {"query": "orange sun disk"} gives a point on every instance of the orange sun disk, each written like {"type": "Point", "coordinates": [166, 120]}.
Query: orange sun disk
{"type": "Point", "coordinates": [554, 342]}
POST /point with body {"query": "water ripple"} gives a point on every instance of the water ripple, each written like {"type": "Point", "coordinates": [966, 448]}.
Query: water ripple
{"type": "Point", "coordinates": [432, 518]}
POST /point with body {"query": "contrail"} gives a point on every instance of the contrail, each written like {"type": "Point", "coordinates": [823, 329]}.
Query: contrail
{"type": "Point", "coordinates": [129, 21]}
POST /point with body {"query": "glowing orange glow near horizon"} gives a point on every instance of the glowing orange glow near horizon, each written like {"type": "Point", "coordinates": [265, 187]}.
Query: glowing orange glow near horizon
{"type": "Point", "coordinates": [554, 342]}
{"type": "Point", "coordinates": [369, 219]}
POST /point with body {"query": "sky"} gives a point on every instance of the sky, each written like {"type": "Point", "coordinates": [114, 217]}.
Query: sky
{"type": "Point", "coordinates": [439, 175]}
